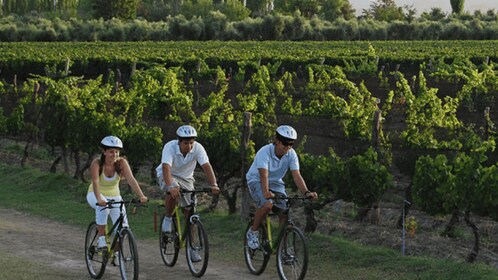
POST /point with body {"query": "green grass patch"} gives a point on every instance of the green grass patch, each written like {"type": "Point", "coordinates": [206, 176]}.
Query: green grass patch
{"type": "Point", "coordinates": [62, 198]}
{"type": "Point", "coordinates": [26, 270]}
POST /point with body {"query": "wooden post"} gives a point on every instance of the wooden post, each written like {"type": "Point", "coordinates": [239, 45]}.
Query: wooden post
{"type": "Point", "coordinates": [246, 135]}
{"type": "Point", "coordinates": [375, 211]}
{"type": "Point", "coordinates": [486, 123]}
{"type": "Point", "coordinates": [376, 129]}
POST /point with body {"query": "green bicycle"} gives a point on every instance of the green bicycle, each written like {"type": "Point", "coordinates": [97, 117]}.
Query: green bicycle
{"type": "Point", "coordinates": [171, 242]}
{"type": "Point", "coordinates": [120, 239]}
{"type": "Point", "coordinates": [290, 246]}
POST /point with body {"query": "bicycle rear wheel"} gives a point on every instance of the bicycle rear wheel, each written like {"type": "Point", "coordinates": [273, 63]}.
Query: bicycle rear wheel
{"type": "Point", "coordinates": [95, 260]}
{"type": "Point", "coordinates": [128, 255]}
{"type": "Point", "coordinates": [256, 260]}
{"type": "Point", "coordinates": [292, 255]}
{"type": "Point", "coordinates": [197, 250]}
{"type": "Point", "coordinates": [169, 243]}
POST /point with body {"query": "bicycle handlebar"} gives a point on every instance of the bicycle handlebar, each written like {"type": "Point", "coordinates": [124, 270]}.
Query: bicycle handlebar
{"type": "Point", "coordinates": [204, 190]}
{"type": "Point", "coordinates": [287, 199]}
{"type": "Point", "coordinates": [111, 202]}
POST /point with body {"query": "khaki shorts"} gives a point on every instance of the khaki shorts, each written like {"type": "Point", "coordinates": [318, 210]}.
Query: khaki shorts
{"type": "Point", "coordinates": [185, 184]}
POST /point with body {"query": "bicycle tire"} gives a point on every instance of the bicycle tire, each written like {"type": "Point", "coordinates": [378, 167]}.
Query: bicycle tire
{"type": "Point", "coordinates": [169, 243]}
{"type": "Point", "coordinates": [128, 255]}
{"type": "Point", "coordinates": [257, 260]}
{"type": "Point", "coordinates": [197, 241]}
{"type": "Point", "coordinates": [292, 255]}
{"type": "Point", "coordinates": [95, 260]}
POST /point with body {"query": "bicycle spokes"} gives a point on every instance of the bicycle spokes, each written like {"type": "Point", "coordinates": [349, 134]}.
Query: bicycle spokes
{"type": "Point", "coordinates": [197, 250]}
{"type": "Point", "coordinates": [95, 259]}
{"type": "Point", "coordinates": [292, 255]}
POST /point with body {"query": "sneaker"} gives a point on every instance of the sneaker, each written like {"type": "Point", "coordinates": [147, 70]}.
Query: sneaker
{"type": "Point", "coordinates": [166, 227]}
{"type": "Point", "coordinates": [115, 259]}
{"type": "Point", "coordinates": [194, 256]}
{"type": "Point", "coordinates": [287, 259]}
{"type": "Point", "coordinates": [101, 243]}
{"type": "Point", "coordinates": [252, 239]}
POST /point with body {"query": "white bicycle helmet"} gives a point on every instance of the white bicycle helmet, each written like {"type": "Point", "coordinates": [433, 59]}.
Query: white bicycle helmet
{"type": "Point", "coordinates": [186, 131]}
{"type": "Point", "coordinates": [111, 142]}
{"type": "Point", "coordinates": [287, 131]}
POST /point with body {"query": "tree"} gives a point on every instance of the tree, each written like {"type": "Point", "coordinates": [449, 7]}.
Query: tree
{"type": "Point", "coordinates": [435, 14]}
{"type": "Point", "coordinates": [386, 10]}
{"type": "Point", "coordinates": [333, 9]}
{"type": "Point", "coordinates": [123, 9]}
{"type": "Point", "coordinates": [457, 6]}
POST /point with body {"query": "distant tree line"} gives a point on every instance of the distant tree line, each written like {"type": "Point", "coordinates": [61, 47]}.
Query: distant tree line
{"type": "Point", "coordinates": [160, 10]}
{"type": "Point", "coordinates": [276, 26]}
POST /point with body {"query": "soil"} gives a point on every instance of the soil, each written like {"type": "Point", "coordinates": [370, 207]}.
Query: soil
{"type": "Point", "coordinates": [59, 248]}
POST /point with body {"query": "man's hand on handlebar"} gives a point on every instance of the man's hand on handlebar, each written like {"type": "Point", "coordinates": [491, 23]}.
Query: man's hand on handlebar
{"type": "Point", "coordinates": [174, 192]}
{"type": "Point", "coordinates": [268, 195]}
{"type": "Point", "coordinates": [312, 195]}
{"type": "Point", "coordinates": [215, 189]}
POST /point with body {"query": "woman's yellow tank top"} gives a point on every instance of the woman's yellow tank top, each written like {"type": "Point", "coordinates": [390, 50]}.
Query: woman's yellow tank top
{"type": "Point", "coordinates": [108, 186]}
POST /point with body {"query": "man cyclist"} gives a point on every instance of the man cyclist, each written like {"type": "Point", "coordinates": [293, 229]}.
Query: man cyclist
{"type": "Point", "coordinates": [265, 177]}
{"type": "Point", "coordinates": [178, 162]}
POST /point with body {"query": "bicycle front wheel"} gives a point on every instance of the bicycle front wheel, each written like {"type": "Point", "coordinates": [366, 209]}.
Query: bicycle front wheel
{"type": "Point", "coordinates": [197, 250]}
{"type": "Point", "coordinates": [257, 259]}
{"type": "Point", "coordinates": [96, 260]}
{"type": "Point", "coordinates": [128, 255]}
{"type": "Point", "coordinates": [292, 255]}
{"type": "Point", "coordinates": [169, 243]}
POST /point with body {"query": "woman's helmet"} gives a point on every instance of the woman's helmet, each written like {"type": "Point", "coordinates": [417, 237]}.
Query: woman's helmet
{"type": "Point", "coordinates": [186, 131]}
{"type": "Point", "coordinates": [111, 142]}
{"type": "Point", "coordinates": [287, 132]}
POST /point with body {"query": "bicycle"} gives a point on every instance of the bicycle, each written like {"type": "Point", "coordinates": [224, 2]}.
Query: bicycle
{"type": "Point", "coordinates": [171, 242]}
{"type": "Point", "coordinates": [291, 249]}
{"type": "Point", "coordinates": [119, 239]}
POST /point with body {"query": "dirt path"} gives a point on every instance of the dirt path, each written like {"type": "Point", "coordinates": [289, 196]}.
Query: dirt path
{"type": "Point", "coordinates": [59, 247]}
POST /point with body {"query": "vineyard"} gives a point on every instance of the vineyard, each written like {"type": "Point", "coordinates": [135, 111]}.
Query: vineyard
{"type": "Point", "coordinates": [363, 111]}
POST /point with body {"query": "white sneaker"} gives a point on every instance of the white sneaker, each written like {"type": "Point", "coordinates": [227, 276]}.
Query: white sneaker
{"type": "Point", "coordinates": [115, 259]}
{"type": "Point", "coordinates": [252, 239]}
{"type": "Point", "coordinates": [166, 227]}
{"type": "Point", "coordinates": [101, 243]}
{"type": "Point", "coordinates": [194, 256]}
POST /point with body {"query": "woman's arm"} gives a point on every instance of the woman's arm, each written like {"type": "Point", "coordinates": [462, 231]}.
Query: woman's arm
{"type": "Point", "coordinates": [95, 174]}
{"type": "Point", "coordinates": [128, 175]}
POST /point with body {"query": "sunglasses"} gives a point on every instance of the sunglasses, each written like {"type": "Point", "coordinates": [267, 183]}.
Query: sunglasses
{"type": "Point", "coordinates": [287, 143]}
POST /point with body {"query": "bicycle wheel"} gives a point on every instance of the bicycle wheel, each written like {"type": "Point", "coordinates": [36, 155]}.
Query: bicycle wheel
{"type": "Point", "coordinates": [169, 243]}
{"type": "Point", "coordinates": [96, 260]}
{"type": "Point", "coordinates": [292, 255]}
{"type": "Point", "coordinates": [197, 249]}
{"type": "Point", "coordinates": [128, 255]}
{"type": "Point", "coordinates": [256, 260]}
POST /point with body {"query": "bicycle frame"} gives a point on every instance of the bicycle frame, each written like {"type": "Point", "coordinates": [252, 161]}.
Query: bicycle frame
{"type": "Point", "coordinates": [116, 228]}
{"type": "Point", "coordinates": [122, 241]}
{"type": "Point", "coordinates": [289, 246]}
{"type": "Point", "coordinates": [189, 234]}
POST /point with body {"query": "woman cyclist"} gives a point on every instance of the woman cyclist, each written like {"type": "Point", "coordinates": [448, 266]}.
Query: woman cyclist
{"type": "Point", "coordinates": [106, 172]}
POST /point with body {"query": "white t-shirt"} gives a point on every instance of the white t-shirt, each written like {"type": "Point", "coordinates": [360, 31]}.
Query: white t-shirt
{"type": "Point", "coordinates": [277, 167]}
{"type": "Point", "coordinates": [181, 166]}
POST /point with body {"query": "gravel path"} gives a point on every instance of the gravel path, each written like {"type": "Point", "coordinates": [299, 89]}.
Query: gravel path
{"type": "Point", "coordinates": [59, 247]}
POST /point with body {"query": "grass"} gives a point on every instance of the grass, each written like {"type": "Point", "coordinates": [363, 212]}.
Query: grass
{"type": "Point", "coordinates": [26, 270]}
{"type": "Point", "coordinates": [51, 195]}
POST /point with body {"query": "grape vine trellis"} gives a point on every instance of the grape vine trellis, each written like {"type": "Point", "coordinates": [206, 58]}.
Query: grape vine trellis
{"type": "Point", "coordinates": [68, 112]}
